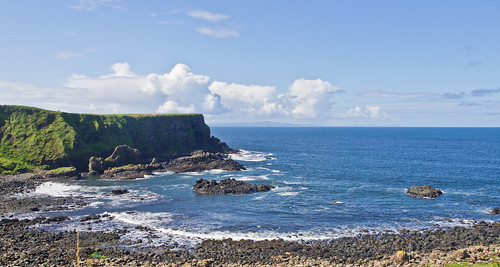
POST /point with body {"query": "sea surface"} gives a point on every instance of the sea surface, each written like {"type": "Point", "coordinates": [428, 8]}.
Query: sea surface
{"type": "Point", "coordinates": [330, 183]}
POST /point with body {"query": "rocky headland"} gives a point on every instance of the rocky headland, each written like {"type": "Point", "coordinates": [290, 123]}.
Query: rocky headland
{"type": "Point", "coordinates": [36, 139]}
{"type": "Point", "coordinates": [228, 186]}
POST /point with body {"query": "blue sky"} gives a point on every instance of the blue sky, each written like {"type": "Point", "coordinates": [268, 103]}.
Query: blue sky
{"type": "Point", "coordinates": [321, 63]}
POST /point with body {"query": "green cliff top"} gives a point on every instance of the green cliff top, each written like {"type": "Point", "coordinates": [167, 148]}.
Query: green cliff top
{"type": "Point", "coordinates": [32, 138]}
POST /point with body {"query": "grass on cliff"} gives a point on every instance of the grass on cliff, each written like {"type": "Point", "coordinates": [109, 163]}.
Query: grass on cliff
{"type": "Point", "coordinates": [33, 138]}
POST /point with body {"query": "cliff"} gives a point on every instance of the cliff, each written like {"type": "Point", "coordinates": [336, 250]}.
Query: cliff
{"type": "Point", "coordinates": [33, 138]}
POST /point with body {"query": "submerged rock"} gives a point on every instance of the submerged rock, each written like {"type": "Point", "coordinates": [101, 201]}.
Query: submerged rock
{"type": "Point", "coordinates": [228, 186]}
{"type": "Point", "coordinates": [119, 192]}
{"type": "Point", "coordinates": [423, 191]}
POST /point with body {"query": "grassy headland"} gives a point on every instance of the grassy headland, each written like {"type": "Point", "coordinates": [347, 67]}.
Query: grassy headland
{"type": "Point", "coordinates": [32, 138]}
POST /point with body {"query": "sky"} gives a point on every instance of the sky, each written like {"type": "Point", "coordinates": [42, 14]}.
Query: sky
{"type": "Point", "coordinates": [423, 63]}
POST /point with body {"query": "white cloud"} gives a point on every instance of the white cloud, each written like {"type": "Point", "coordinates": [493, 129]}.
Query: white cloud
{"type": "Point", "coordinates": [369, 111]}
{"type": "Point", "coordinates": [206, 15]}
{"type": "Point", "coordinates": [67, 55]}
{"type": "Point", "coordinates": [218, 32]}
{"type": "Point", "coordinates": [177, 91]}
{"type": "Point", "coordinates": [304, 99]}
{"type": "Point", "coordinates": [250, 99]}
{"type": "Point", "coordinates": [311, 98]}
{"type": "Point", "coordinates": [89, 5]}
{"type": "Point", "coordinates": [185, 91]}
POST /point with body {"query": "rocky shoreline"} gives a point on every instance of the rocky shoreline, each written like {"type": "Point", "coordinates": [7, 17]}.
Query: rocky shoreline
{"type": "Point", "coordinates": [35, 246]}
{"type": "Point", "coordinates": [478, 244]}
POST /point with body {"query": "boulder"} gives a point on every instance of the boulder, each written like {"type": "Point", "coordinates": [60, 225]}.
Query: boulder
{"type": "Point", "coordinates": [96, 165]}
{"type": "Point", "coordinates": [127, 172]}
{"type": "Point", "coordinates": [401, 258]}
{"type": "Point", "coordinates": [228, 186]}
{"type": "Point", "coordinates": [200, 161]}
{"type": "Point", "coordinates": [494, 211]}
{"type": "Point", "coordinates": [423, 191]}
{"type": "Point", "coordinates": [123, 155]}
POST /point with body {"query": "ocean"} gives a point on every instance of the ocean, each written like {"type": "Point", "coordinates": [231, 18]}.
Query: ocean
{"type": "Point", "coordinates": [330, 183]}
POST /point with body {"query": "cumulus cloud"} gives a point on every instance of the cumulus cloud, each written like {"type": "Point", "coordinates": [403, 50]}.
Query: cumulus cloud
{"type": "Point", "coordinates": [304, 99]}
{"type": "Point", "coordinates": [185, 91]}
{"type": "Point", "coordinates": [206, 15]}
{"type": "Point", "coordinates": [261, 100]}
{"type": "Point", "coordinates": [310, 98]}
{"type": "Point", "coordinates": [218, 32]}
{"type": "Point", "coordinates": [177, 91]}
{"type": "Point", "coordinates": [369, 111]}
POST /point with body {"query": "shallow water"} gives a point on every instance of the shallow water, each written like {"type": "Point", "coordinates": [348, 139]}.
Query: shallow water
{"type": "Point", "coordinates": [330, 182]}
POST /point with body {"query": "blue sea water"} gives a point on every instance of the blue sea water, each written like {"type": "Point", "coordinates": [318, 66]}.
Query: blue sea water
{"type": "Point", "coordinates": [330, 183]}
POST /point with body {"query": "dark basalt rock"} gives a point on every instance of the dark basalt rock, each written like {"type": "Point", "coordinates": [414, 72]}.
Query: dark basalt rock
{"type": "Point", "coordinates": [200, 161]}
{"type": "Point", "coordinates": [119, 192]}
{"type": "Point", "coordinates": [96, 165]}
{"type": "Point", "coordinates": [228, 186]}
{"type": "Point", "coordinates": [423, 191]}
{"type": "Point", "coordinates": [90, 217]}
{"type": "Point", "coordinates": [128, 172]}
{"type": "Point", "coordinates": [123, 155]}
{"type": "Point", "coordinates": [494, 211]}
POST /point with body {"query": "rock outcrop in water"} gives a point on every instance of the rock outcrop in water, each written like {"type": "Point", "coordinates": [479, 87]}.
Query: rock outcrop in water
{"type": "Point", "coordinates": [228, 186]}
{"type": "Point", "coordinates": [494, 211]}
{"type": "Point", "coordinates": [200, 161]}
{"type": "Point", "coordinates": [423, 191]}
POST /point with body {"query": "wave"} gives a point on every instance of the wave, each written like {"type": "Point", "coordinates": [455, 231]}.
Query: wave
{"type": "Point", "coordinates": [253, 156]}
{"type": "Point", "coordinates": [60, 189]}
{"type": "Point", "coordinates": [142, 218]}
{"type": "Point", "coordinates": [288, 193]}
{"type": "Point", "coordinates": [251, 178]}
{"type": "Point", "coordinates": [288, 182]}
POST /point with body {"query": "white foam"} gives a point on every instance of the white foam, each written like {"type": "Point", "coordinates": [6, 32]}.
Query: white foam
{"type": "Point", "coordinates": [288, 193]}
{"type": "Point", "coordinates": [216, 171]}
{"type": "Point", "coordinates": [251, 178]}
{"type": "Point", "coordinates": [59, 189]}
{"type": "Point", "coordinates": [254, 156]}
{"type": "Point", "coordinates": [259, 197]}
{"type": "Point", "coordinates": [142, 218]}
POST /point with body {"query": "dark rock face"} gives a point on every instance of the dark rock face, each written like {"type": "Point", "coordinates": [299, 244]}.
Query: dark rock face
{"type": "Point", "coordinates": [123, 155]}
{"type": "Point", "coordinates": [202, 161]}
{"type": "Point", "coordinates": [494, 211]}
{"type": "Point", "coordinates": [423, 191]}
{"type": "Point", "coordinates": [228, 186]}
{"type": "Point", "coordinates": [128, 172]}
{"type": "Point", "coordinates": [96, 165]}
